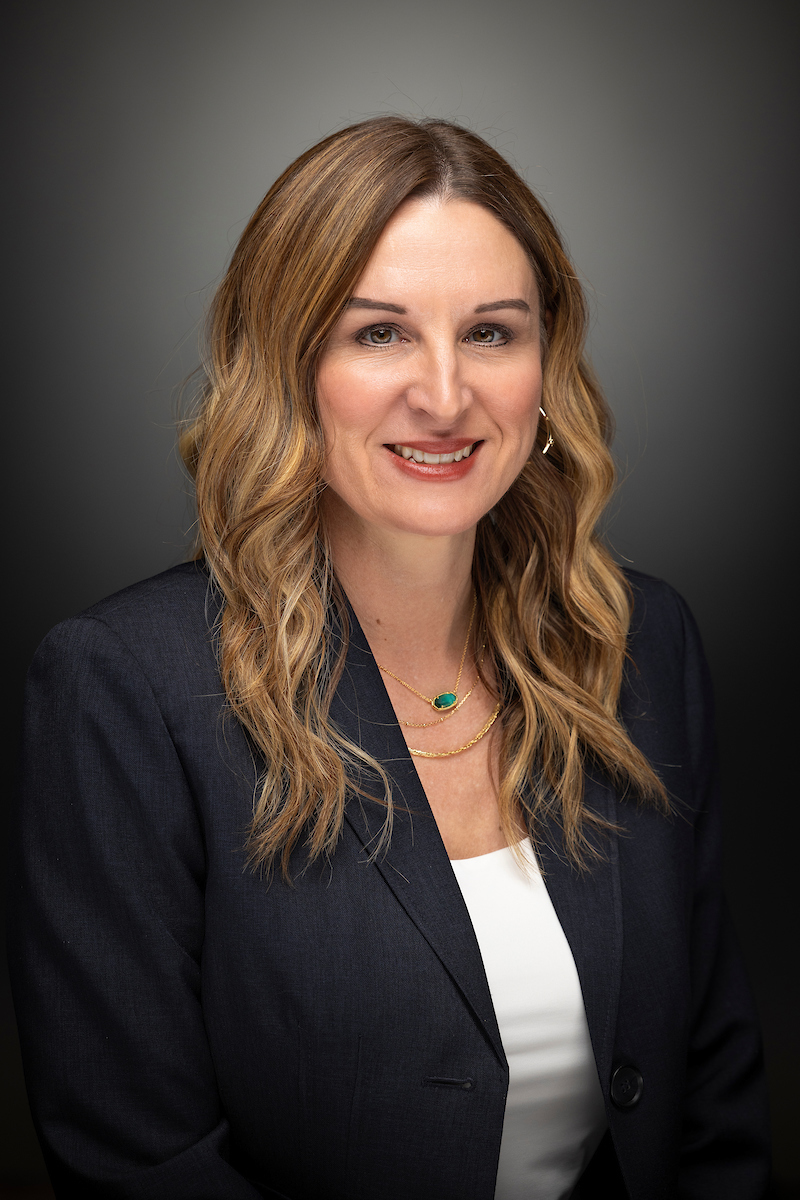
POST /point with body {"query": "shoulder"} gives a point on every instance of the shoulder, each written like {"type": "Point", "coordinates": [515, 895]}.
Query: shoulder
{"type": "Point", "coordinates": [182, 593]}
{"type": "Point", "coordinates": [656, 603]}
{"type": "Point", "coordinates": [666, 698]}
{"type": "Point", "coordinates": [160, 625]}
{"type": "Point", "coordinates": [662, 627]}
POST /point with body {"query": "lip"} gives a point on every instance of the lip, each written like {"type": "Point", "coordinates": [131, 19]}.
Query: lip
{"type": "Point", "coordinates": [435, 472]}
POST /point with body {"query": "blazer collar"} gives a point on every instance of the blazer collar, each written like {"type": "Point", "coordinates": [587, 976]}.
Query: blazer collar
{"type": "Point", "coordinates": [417, 869]}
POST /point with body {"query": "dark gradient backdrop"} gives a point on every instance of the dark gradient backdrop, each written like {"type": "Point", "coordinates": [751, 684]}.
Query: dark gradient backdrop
{"type": "Point", "coordinates": [663, 139]}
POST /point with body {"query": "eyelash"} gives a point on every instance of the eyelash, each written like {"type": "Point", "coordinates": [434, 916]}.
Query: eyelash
{"type": "Point", "coordinates": [505, 333]}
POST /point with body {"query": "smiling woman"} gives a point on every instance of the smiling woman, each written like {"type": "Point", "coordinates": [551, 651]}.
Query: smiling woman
{"type": "Point", "coordinates": [375, 852]}
{"type": "Point", "coordinates": [437, 380]}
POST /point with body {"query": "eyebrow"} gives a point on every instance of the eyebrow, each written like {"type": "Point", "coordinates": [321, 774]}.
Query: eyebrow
{"type": "Point", "coordinates": [522, 305]}
{"type": "Point", "coordinates": [384, 306]}
{"type": "Point", "coordinates": [361, 302]}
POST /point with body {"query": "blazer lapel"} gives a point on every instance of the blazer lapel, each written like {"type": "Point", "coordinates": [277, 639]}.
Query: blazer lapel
{"type": "Point", "coordinates": [589, 907]}
{"type": "Point", "coordinates": [415, 866]}
{"type": "Point", "coordinates": [417, 869]}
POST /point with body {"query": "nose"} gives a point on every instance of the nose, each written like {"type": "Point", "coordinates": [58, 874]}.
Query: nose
{"type": "Point", "coordinates": [438, 387]}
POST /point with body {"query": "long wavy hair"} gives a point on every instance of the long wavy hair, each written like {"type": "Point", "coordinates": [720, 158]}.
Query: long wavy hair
{"type": "Point", "coordinates": [553, 608]}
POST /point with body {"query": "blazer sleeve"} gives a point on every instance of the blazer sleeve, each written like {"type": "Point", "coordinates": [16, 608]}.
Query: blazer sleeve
{"type": "Point", "coordinates": [106, 935]}
{"type": "Point", "coordinates": [725, 1147]}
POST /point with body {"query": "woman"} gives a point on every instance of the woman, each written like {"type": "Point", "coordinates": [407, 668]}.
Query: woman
{"type": "Point", "coordinates": [376, 852]}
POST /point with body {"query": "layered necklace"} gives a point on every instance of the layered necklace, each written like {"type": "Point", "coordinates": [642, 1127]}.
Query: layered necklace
{"type": "Point", "coordinates": [447, 701]}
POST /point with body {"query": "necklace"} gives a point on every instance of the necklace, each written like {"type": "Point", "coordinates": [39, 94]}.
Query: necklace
{"type": "Point", "coordinates": [459, 749]}
{"type": "Point", "coordinates": [451, 712]}
{"type": "Point", "coordinates": [443, 700]}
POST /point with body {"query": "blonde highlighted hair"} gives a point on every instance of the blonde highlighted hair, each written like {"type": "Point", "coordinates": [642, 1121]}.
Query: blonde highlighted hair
{"type": "Point", "coordinates": [553, 608]}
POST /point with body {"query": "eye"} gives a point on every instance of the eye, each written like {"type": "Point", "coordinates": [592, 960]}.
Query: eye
{"type": "Point", "coordinates": [489, 335]}
{"type": "Point", "coordinates": [378, 335]}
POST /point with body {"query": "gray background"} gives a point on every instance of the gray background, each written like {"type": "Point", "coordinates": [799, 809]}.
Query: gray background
{"type": "Point", "coordinates": [661, 136]}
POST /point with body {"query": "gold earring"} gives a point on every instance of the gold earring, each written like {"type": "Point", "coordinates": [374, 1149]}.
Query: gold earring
{"type": "Point", "coordinates": [549, 441]}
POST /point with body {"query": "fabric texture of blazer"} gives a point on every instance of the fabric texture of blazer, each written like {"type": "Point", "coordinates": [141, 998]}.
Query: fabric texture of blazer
{"type": "Point", "coordinates": [193, 1032]}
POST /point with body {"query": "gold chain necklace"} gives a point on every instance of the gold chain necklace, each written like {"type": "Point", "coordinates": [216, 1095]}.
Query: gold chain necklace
{"type": "Point", "coordinates": [452, 712]}
{"type": "Point", "coordinates": [443, 700]}
{"type": "Point", "coordinates": [459, 749]}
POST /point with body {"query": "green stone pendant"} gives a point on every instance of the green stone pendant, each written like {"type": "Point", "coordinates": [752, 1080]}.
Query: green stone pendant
{"type": "Point", "coordinates": [444, 700]}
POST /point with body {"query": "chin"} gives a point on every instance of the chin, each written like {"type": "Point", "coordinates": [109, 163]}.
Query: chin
{"type": "Point", "coordinates": [433, 526]}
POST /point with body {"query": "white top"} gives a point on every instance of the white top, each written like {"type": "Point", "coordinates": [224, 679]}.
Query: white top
{"type": "Point", "coordinates": [554, 1115]}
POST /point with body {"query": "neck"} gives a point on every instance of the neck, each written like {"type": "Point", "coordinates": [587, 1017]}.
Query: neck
{"type": "Point", "coordinates": [412, 594]}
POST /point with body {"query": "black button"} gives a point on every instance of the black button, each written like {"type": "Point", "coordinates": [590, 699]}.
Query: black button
{"type": "Point", "coordinates": [626, 1086]}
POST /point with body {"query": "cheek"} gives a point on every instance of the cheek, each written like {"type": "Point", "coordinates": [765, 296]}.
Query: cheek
{"type": "Point", "coordinates": [328, 403]}
{"type": "Point", "coordinates": [346, 403]}
{"type": "Point", "coordinates": [520, 407]}
{"type": "Point", "coordinates": [343, 403]}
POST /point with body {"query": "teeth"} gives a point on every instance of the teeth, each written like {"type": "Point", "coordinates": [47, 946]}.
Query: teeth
{"type": "Point", "coordinates": [421, 456]}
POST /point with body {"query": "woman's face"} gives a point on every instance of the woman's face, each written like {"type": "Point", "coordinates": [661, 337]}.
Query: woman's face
{"type": "Point", "coordinates": [437, 354]}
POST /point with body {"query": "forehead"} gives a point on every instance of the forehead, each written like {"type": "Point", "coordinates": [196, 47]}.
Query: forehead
{"type": "Point", "coordinates": [457, 246]}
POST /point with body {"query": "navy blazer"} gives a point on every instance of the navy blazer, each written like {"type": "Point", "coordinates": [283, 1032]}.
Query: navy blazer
{"type": "Point", "coordinates": [192, 1032]}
